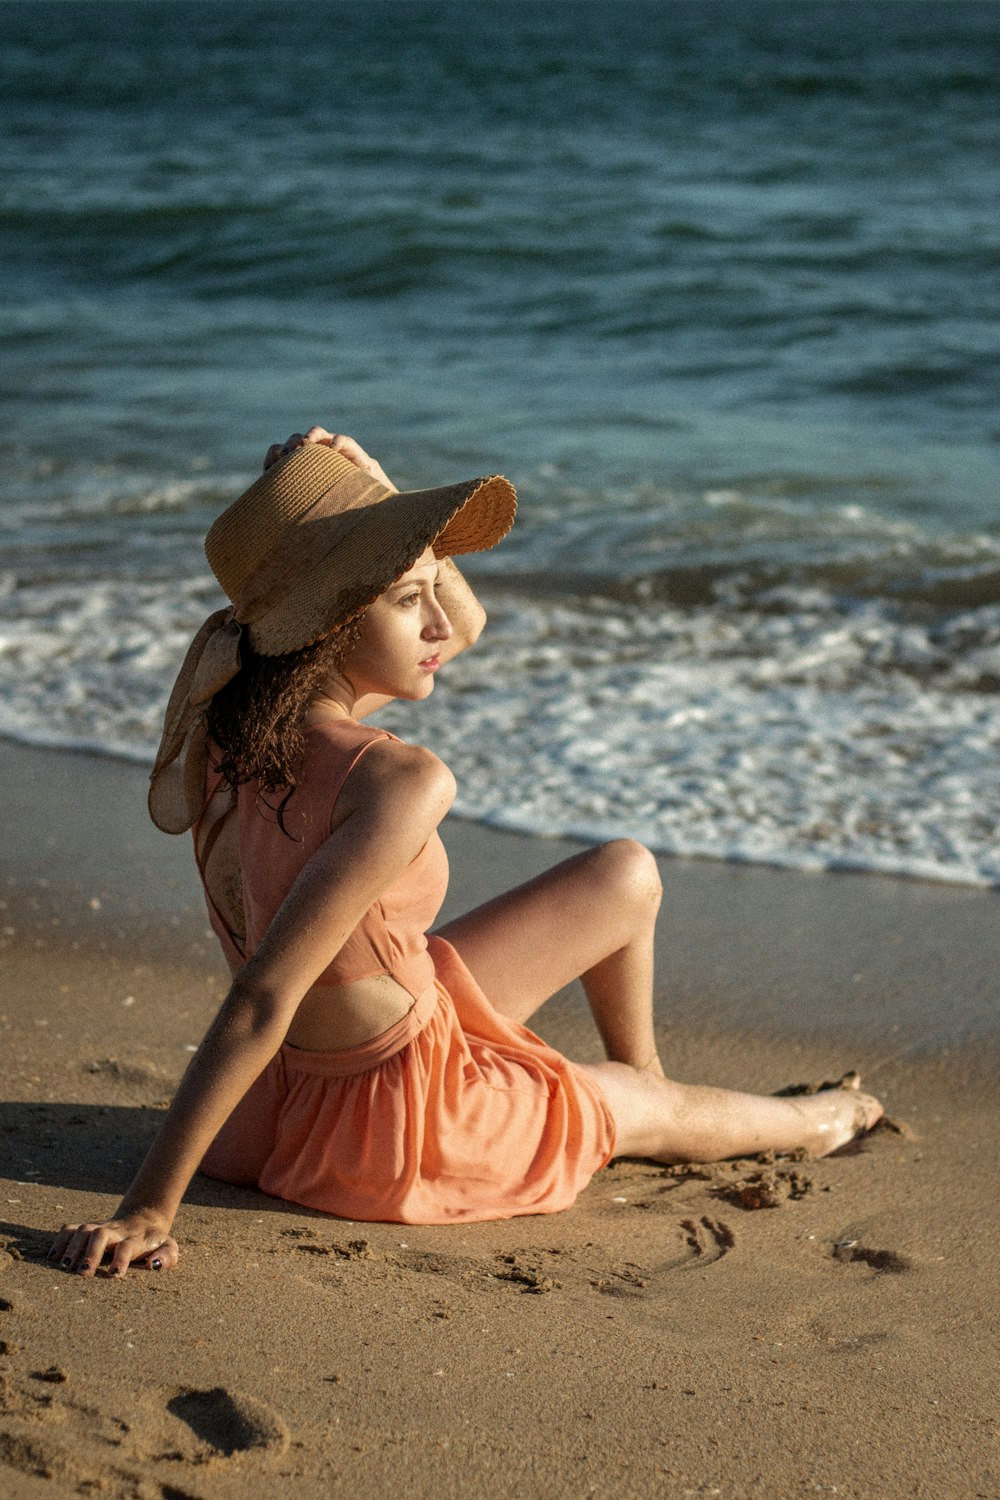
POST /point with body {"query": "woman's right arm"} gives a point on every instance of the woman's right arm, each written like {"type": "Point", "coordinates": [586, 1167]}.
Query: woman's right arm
{"type": "Point", "coordinates": [393, 800]}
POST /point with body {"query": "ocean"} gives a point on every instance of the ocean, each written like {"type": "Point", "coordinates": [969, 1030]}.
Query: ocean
{"type": "Point", "coordinates": [716, 287]}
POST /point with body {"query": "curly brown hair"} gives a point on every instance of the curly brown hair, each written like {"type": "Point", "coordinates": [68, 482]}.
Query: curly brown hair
{"type": "Point", "coordinates": [255, 721]}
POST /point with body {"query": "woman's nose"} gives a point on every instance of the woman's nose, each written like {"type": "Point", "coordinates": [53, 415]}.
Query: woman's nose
{"type": "Point", "coordinates": [438, 627]}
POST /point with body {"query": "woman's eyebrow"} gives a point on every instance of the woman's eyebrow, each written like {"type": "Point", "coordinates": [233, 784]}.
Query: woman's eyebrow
{"type": "Point", "coordinates": [406, 583]}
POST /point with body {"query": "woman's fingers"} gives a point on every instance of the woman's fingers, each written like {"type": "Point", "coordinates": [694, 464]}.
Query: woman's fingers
{"type": "Point", "coordinates": [297, 440]}
{"type": "Point", "coordinates": [71, 1245]}
{"type": "Point", "coordinates": [332, 440]}
{"type": "Point", "coordinates": [135, 1251]}
{"type": "Point", "coordinates": [339, 441]}
{"type": "Point", "coordinates": [73, 1249]}
{"type": "Point", "coordinates": [92, 1252]}
{"type": "Point", "coordinates": [351, 449]}
{"type": "Point", "coordinates": [163, 1258]}
{"type": "Point", "coordinates": [354, 451]}
{"type": "Point", "coordinates": [81, 1248]}
{"type": "Point", "coordinates": [60, 1242]}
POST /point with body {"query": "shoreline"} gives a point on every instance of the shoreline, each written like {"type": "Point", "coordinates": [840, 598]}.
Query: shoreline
{"type": "Point", "coordinates": [580, 833]}
{"type": "Point", "coordinates": [833, 956]}
{"type": "Point", "coordinates": [756, 1328]}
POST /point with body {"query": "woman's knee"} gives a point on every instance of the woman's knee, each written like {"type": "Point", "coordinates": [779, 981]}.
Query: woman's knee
{"type": "Point", "coordinates": [632, 873]}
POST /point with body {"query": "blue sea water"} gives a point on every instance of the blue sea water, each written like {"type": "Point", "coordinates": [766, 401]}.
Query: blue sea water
{"type": "Point", "coordinates": [716, 286]}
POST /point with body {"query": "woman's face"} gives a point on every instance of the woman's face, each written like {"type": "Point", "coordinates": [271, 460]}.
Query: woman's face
{"type": "Point", "coordinates": [401, 636]}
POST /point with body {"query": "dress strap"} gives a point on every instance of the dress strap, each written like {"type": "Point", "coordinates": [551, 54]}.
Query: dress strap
{"type": "Point", "coordinates": [223, 926]}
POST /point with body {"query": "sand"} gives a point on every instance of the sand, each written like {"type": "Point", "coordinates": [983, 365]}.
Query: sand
{"type": "Point", "coordinates": [762, 1328]}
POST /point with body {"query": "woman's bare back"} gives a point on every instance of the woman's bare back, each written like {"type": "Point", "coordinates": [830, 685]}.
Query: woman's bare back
{"type": "Point", "coordinates": [329, 1017]}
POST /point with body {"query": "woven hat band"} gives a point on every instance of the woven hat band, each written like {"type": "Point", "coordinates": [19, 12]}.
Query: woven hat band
{"type": "Point", "coordinates": [316, 536]}
{"type": "Point", "coordinates": [252, 527]}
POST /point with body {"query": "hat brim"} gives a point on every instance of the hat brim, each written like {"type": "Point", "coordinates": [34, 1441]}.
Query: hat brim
{"type": "Point", "coordinates": [384, 541]}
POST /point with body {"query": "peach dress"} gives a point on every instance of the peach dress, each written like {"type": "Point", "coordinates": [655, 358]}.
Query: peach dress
{"type": "Point", "coordinates": [453, 1114]}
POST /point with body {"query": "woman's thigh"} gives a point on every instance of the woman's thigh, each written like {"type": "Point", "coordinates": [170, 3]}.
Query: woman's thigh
{"type": "Point", "coordinates": [524, 946]}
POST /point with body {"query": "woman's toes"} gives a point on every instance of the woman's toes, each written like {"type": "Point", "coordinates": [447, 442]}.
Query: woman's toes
{"type": "Point", "coordinates": [871, 1109]}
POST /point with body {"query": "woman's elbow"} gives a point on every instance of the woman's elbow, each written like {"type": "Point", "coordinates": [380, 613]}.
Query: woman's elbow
{"type": "Point", "coordinates": [254, 1011]}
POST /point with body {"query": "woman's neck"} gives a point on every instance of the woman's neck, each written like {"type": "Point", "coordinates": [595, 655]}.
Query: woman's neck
{"type": "Point", "coordinates": [337, 701]}
{"type": "Point", "coordinates": [333, 703]}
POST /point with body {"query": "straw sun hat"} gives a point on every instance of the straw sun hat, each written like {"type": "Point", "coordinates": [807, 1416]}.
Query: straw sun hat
{"type": "Point", "coordinates": [306, 548]}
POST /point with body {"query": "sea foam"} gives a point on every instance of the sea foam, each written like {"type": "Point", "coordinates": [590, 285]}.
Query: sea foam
{"type": "Point", "coordinates": [817, 737]}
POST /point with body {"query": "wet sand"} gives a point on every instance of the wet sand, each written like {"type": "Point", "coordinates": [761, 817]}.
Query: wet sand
{"type": "Point", "coordinates": [761, 1328]}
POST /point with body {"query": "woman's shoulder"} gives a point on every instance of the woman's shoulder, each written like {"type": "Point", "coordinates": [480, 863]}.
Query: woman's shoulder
{"type": "Point", "coordinates": [386, 769]}
{"type": "Point", "coordinates": [377, 761]}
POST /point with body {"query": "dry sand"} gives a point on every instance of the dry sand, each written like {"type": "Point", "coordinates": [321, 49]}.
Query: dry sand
{"type": "Point", "coordinates": [762, 1328]}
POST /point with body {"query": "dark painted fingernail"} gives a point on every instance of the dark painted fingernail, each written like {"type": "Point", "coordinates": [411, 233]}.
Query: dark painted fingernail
{"type": "Point", "coordinates": [83, 1266]}
{"type": "Point", "coordinates": [157, 1265]}
{"type": "Point", "coordinates": [67, 1260]}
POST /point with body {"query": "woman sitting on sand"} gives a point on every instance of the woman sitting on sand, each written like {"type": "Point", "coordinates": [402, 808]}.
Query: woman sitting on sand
{"type": "Point", "coordinates": [358, 1065]}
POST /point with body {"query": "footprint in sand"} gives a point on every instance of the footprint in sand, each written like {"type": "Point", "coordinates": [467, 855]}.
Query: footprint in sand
{"type": "Point", "coordinates": [45, 1460]}
{"type": "Point", "coordinates": [38, 1455]}
{"type": "Point", "coordinates": [26, 1456]}
{"type": "Point", "coordinates": [230, 1423]}
{"type": "Point", "coordinates": [46, 1433]}
{"type": "Point", "coordinates": [526, 1273]}
{"type": "Point", "coordinates": [707, 1239]}
{"type": "Point", "coordinates": [624, 1280]}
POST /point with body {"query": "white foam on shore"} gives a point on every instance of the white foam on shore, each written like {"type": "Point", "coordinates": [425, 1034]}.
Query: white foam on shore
{"type": "Point", "coordinates": [806, 737]}
{"type": "Point", "coordinates": [803, 757]}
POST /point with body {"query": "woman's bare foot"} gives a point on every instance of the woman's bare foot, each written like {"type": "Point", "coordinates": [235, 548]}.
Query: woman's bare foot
{"type": "Point", "coordinates": [668, 1121]}
{"type": "Point", "coordinates": [836, 1115]}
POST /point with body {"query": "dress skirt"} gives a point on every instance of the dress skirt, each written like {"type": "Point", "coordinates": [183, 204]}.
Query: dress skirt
{"type": "Point", "coordinates": [452, 1115]}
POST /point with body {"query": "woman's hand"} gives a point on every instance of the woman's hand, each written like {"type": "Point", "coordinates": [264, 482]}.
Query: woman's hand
{"type": "Point", "coordinates": [131, 1239]}
{"type": "Point", "coordinates": [341, 444]}
{"type": "Point", "coordinates": [463, 609]}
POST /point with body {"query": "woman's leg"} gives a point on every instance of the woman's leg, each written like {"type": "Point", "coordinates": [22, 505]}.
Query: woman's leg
{"type": "Point", "coordinates": [591, 917]}
{"type": "Point", "coordinates": [667, 1121]}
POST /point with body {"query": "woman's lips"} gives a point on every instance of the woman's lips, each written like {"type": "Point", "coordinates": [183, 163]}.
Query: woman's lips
{"type": "Point", "coordinates": [431, 663]}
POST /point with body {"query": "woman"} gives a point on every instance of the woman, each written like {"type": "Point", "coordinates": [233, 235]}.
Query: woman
{"type": "Point", "coordinates": [356, 1065]}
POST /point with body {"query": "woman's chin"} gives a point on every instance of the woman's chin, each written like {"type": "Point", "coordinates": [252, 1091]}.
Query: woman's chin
{"type": "Point", "coordinates": [418, 691]}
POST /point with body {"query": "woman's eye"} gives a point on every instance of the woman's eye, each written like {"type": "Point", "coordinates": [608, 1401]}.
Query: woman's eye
{"type": "Point", "coordinates": [409, 600]}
